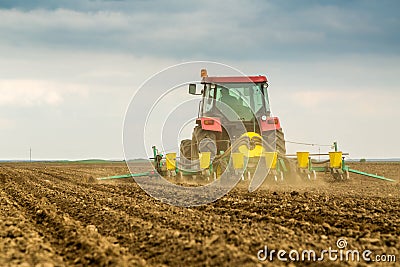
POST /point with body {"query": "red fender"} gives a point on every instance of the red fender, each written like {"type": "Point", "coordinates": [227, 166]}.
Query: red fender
{"type": "Point", "coordinates": [271, 123]}
{"type": "Point", "coordinates": [211, 124]}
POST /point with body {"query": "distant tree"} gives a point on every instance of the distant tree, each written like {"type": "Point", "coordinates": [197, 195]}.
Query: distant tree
{"type": "Point", "coordinates": [363, 160]}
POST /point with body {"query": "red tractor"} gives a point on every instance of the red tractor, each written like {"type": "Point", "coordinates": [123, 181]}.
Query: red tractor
{"type": "Point", "coordinates": [233, 107]}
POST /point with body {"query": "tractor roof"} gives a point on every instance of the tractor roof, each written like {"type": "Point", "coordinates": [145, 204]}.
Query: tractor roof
{"type": "Point", "coordinates": [235, 79]}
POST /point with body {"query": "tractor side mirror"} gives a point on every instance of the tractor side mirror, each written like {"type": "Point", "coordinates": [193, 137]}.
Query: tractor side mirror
{"type": "Point", "coordinates": [192, 89]}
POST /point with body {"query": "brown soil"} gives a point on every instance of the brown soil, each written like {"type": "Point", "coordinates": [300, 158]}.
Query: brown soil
{"type": "Point", "coordinates": [55, 215]}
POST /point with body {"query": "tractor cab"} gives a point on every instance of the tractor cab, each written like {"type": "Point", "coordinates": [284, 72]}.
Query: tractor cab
{"type": "Point", "coordinates": [235, 100]}
{"type": "Point", "coordinates": [230, 108]}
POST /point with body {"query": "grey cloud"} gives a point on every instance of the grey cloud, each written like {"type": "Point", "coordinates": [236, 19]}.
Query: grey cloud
{"type": "Point", "coordinates": [225, 30]}
{"type": "Point", "coordinates": [110, 47]}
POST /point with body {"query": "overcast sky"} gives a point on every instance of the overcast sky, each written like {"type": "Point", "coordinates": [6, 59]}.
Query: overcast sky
{"type": "Point", "coordinates": [68, 69]}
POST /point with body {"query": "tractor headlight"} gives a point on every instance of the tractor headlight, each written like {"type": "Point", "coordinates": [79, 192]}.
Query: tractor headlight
{"type": "Point", "coordinates": [264, 118]}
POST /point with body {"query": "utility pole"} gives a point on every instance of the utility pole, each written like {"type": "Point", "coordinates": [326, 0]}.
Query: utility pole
{"type": "Point", "coordinates": [319, 153]}
{"type": "Point", "coordinates": [30, 154]}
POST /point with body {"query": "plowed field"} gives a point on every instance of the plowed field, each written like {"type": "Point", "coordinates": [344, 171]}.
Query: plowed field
{"type": "Point", "coordinates": [55, 215]}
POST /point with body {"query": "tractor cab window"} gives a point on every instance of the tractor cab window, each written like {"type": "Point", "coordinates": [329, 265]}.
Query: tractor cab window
{"type": "Point", "coordinates": [265, 93]}
{"type": "Point", "coordinates": [209, 96]}
{"type": "Point", "coordinates": [240, 101]}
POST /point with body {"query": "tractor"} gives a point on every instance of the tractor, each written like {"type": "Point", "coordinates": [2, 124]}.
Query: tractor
{"type": "Point", "coordinates": [235, 135]}
{"type": "Point", "coordinates": [233, 109]}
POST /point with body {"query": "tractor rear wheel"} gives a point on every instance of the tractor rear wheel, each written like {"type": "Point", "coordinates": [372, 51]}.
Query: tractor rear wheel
{"type": "Point", "coordinates": [203, 141]}
{"type": "Point", "coordinates": [276, 141]}
{"type": "Point", "coordinates": [185, 148]}
{"type": "Point", "coordinates": [280, 142]}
